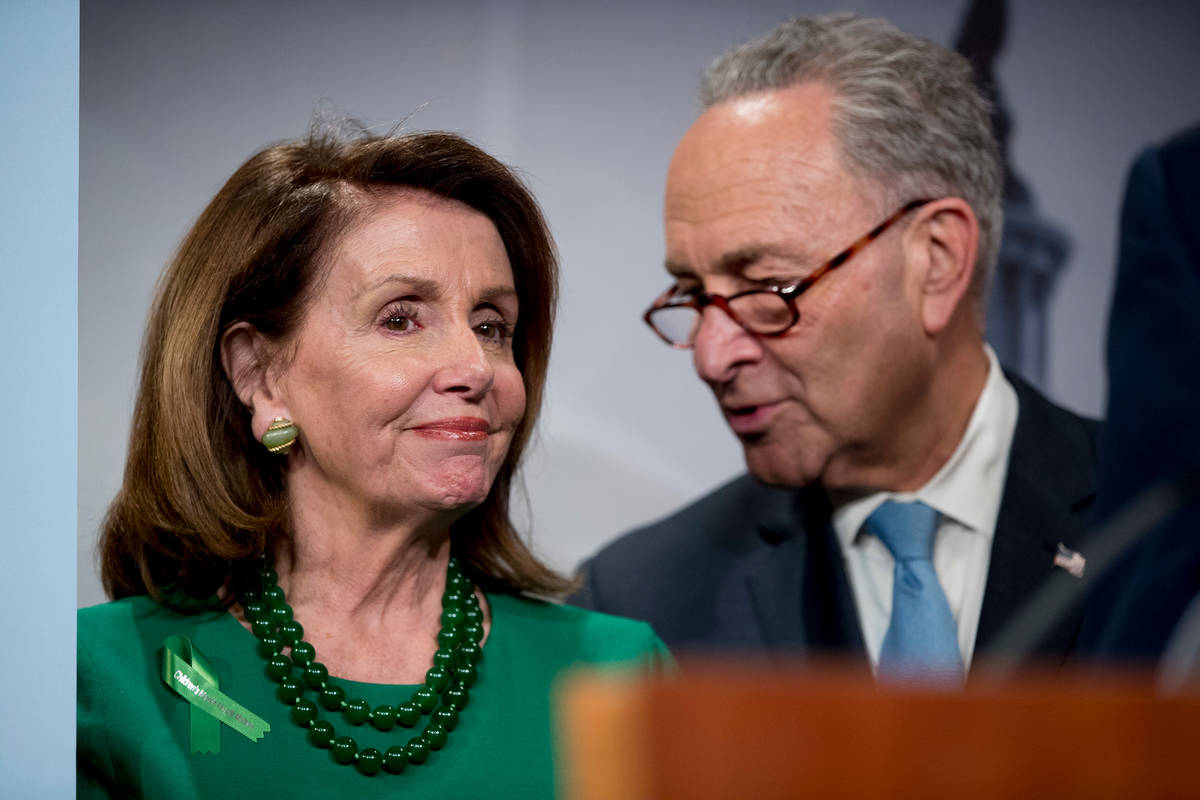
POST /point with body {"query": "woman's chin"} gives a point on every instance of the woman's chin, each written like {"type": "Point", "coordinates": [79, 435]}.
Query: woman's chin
{"type": "Point", "coordinates": [459, 491]}
{"type": "Point", "coordinates": [459, 501]}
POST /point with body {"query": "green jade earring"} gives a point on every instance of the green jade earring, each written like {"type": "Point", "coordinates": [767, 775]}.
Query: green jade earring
{"type": "Point", "coordinates": [280, 436]}
{"type": "Point", "coordinates": [442, 696]}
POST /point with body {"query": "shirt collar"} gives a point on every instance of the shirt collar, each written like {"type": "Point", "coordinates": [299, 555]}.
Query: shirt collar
{"type": "Point", "coordinates": [969, 486]}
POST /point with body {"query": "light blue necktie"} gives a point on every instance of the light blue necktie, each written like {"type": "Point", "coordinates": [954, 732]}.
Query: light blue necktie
{"type": "Point", "coordinates": [921, 643]}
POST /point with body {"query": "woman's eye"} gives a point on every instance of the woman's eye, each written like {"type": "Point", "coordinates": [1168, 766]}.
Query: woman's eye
{"type": "Point", "coordinates": [400, 322]}
{"type": "Point", "coordinates": [493, 330]}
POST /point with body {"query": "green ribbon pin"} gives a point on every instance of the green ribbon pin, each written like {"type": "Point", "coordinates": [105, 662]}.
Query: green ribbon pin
{"type": "Point", "coordinates": [190, 675]}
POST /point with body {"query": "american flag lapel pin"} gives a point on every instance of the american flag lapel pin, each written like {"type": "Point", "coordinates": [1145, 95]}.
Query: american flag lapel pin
{"type": "Point", "coordinates": [1070, 560]}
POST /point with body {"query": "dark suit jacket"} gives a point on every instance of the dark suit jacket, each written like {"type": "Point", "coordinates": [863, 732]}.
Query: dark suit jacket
{"type": "Point", "coordinates": [1154, 380]}
{"type": "Point", "coordinates": [752, 569]}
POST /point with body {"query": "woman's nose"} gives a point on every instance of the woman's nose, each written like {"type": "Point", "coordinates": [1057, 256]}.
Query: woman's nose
{"type": "Point", "coordinates": [466, 367]}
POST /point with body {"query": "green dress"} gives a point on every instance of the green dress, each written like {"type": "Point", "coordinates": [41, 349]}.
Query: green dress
{"type": "Point", "coordinates": [133, 732]}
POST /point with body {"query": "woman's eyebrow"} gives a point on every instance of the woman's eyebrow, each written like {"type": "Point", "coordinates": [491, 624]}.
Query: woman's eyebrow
{"type": "Point", "coordinates": [493, 293]}
{"type": "Point", "coordinates": [422, 286]}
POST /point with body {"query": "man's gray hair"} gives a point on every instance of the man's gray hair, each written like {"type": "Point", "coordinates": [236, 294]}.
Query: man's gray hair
{"type": "Point", "coordinates": [907, 113]}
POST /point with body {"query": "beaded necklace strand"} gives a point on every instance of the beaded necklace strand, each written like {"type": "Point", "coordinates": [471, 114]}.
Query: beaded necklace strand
{"type": "Point", "coordinates": [442, 696]}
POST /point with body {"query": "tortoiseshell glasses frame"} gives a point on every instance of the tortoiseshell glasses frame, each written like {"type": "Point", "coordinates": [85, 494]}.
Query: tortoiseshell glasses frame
{"type": "Point", "coordinates": [769, 311]}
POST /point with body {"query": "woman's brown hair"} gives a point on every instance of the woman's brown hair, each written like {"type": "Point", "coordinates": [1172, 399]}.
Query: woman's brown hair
{"type": "Point", "coordinates": [202, 501]}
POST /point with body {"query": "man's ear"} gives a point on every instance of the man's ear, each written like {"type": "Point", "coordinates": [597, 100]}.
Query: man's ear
{"type": "Point", "coordinates": [249, 361]}
{"type": "Point", "coordinates": [946, 235]}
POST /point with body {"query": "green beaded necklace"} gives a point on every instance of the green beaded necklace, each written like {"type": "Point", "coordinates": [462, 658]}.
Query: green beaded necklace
{"type": "Point", "coordinates": [442, 696]}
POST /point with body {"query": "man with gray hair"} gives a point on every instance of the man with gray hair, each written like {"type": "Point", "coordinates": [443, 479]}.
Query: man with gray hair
{"type": "Point", "coordinates": [831, 218]}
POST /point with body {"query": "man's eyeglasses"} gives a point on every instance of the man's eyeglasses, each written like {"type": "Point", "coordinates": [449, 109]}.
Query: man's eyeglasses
{"type": "Point", "coordinates": [770, 311]}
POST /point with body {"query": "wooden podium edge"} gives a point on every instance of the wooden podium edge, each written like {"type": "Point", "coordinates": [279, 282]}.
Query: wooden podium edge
{"type": "Point", "coordinates": [601, 735]}
{"type": "Point", "coordinates": [732, 730]}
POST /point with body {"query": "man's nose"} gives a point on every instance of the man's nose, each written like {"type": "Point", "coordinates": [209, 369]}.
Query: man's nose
{"type": "Point", "coordinates": [722, 345]}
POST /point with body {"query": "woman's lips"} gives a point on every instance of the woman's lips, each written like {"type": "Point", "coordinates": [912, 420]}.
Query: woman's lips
{"type": "Point", "coordinates": [749, 420]}
{"type": "Point", "coordinates": [459, 429]}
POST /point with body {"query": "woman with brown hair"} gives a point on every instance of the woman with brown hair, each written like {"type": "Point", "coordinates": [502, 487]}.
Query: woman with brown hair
{"type": "Point", "coordinates": [311, 550]}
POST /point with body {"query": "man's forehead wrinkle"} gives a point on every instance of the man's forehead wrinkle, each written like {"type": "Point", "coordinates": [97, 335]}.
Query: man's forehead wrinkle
{"type": "Point", "coordinates": [765, 220]}
{"type": "Point", "coordinates": [711, 199]}
{"type": "Point", "coordinates": [747, 181]}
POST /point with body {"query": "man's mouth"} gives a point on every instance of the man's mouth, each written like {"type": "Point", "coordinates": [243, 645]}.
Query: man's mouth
{"type": "Point", "coordinates": [750, 420]}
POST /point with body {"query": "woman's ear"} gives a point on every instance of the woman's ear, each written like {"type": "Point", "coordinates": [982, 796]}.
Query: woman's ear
{"type": "Point", "coordinates": [949, 238]}
{"type": "Point", "coordinates": [249, 361]}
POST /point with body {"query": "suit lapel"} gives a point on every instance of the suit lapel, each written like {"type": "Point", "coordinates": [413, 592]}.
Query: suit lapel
{"type": "Point", "coordinates": [797, 584]}
{"type": "Point", "coordinates": [1022, 555]}
{"type": "Point", "coordinates": [773, 583]}
{"type": "Point", "coordinates": [1050, 484]}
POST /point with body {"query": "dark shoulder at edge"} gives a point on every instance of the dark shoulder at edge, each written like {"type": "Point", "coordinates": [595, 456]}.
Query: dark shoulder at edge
{"type": "Point", "coordinates": [715, 521]}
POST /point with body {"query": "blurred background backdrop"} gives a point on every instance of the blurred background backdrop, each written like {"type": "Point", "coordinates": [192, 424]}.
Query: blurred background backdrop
{"type": "Point", "coordinates": [588, 100]}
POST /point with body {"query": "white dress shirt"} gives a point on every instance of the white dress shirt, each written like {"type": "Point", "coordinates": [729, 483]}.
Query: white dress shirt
{"type": "Point", "coordinates": [966, 491]}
